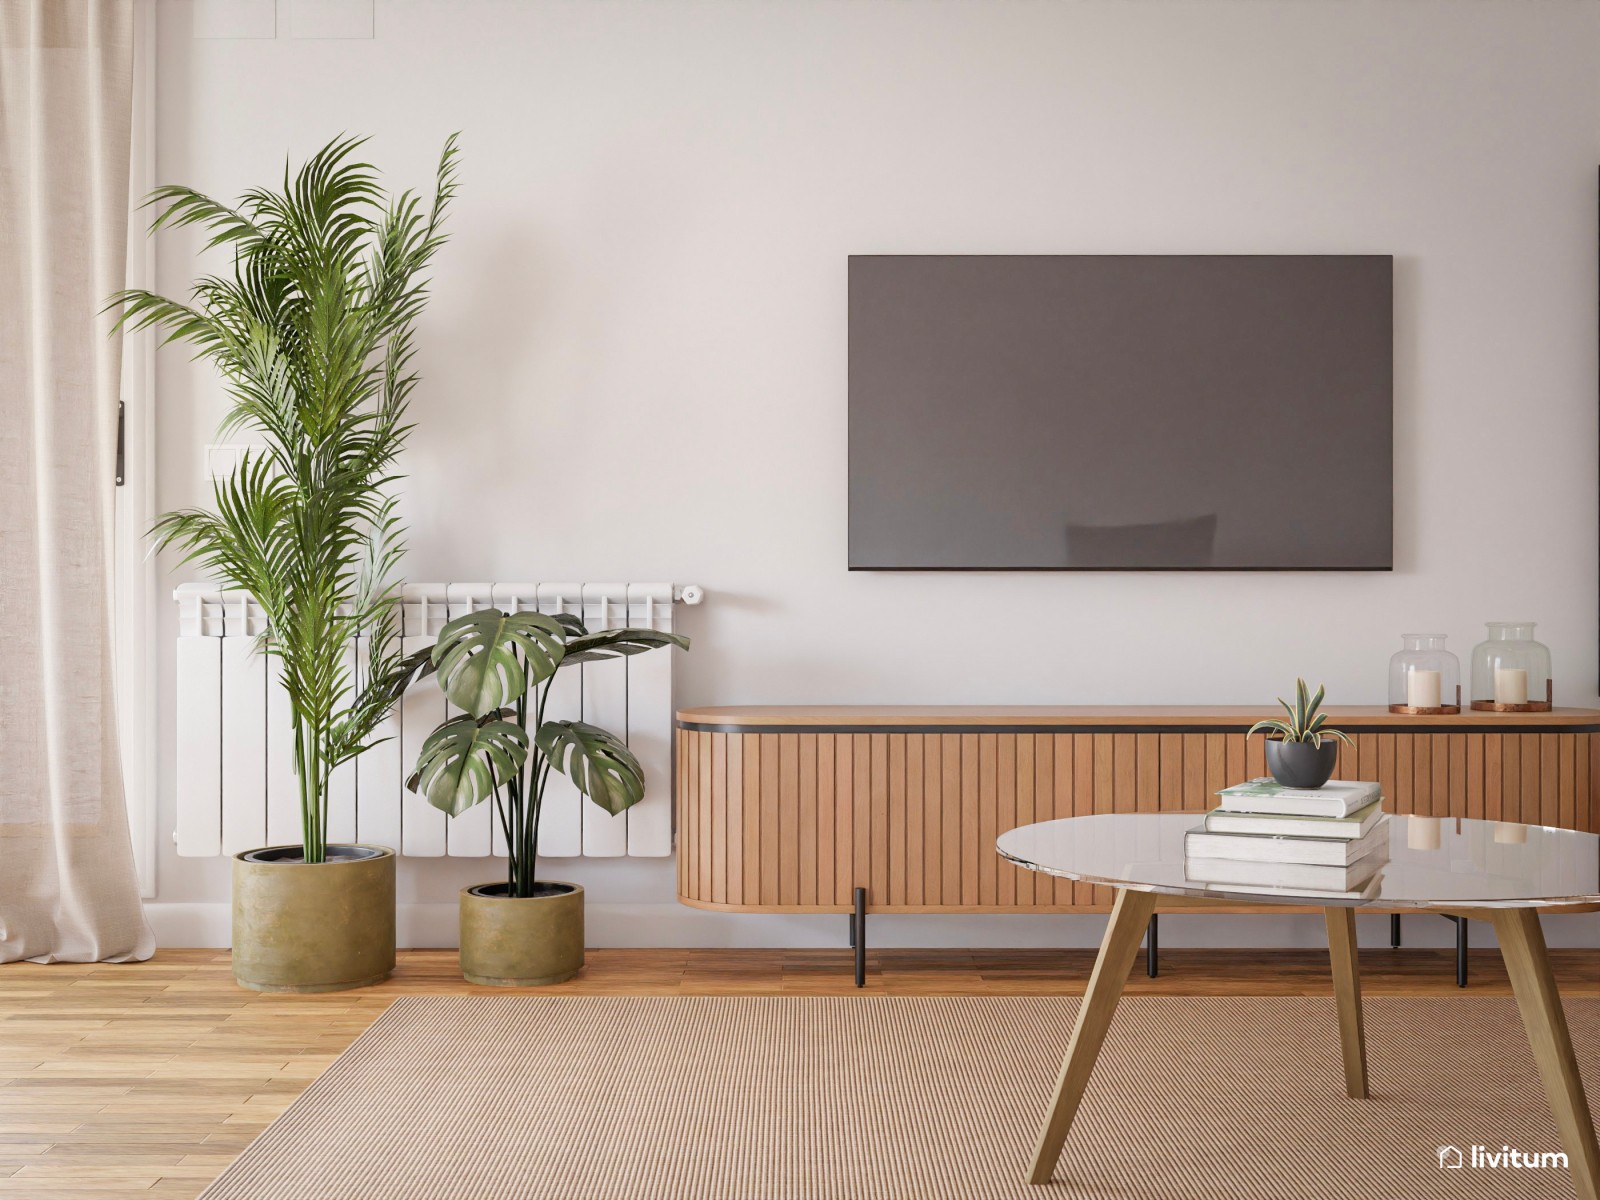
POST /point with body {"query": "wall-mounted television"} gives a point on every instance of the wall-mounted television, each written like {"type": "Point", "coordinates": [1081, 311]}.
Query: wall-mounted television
{"type": "Point", "coordinates": [1121, 412]}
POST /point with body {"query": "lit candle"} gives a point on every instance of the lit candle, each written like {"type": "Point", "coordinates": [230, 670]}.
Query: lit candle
{"type": "Point", "coordinates": [1510, 685]}
{"type": "Point", "coordinates": [1422, 833]}
{"type": "Point", "coordinates": [1422, 689]}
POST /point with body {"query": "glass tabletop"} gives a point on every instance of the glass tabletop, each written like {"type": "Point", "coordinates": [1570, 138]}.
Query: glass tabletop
{"type": "Point", "coordinates": [1432, 862]}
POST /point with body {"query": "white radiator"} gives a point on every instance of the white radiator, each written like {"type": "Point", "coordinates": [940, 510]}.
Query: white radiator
{"type": "Point", "coordinates": [235, 783]}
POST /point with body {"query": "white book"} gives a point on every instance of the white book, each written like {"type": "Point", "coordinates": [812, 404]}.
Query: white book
{"type": "Point", "coordinates": [1356, 825]}
{"type": "Point", "coordinates": [1337, 798]}
{"type": "Point", "coordinates": [1255, 847]}
{"type": "Point", "coordinates": [1297, 879]}
{"type": "Point", "coordinates": [1366, 891]}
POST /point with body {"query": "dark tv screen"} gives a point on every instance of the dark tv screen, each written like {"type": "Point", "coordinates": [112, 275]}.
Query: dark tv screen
{"type": "Point", "coordinates": [1121, 412]}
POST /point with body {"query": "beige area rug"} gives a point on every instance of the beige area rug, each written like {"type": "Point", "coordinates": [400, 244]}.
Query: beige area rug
{"type": "Point", "coordinates": [771, 1098]}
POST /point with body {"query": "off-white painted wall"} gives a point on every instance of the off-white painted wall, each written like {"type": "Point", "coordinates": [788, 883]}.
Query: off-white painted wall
{"type": "Point", "coordinates": [635, 357]}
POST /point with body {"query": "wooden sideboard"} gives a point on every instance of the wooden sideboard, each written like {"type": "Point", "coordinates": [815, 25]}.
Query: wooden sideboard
{"type": "Point", "coordinates": [793, 808]}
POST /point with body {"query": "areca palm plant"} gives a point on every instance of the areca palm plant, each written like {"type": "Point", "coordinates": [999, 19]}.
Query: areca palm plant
{"type": "Point", "coordinates": [498, 668]}
{"type": "Point", "coordinates": [312, 334]}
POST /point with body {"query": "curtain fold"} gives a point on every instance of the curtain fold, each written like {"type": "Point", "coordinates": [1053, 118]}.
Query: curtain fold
{"type": "Point", "coordinates": [68, 890]}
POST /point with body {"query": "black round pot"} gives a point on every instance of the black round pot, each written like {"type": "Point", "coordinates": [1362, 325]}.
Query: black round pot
{"type": "Point", "coordinates": [1300, 764]}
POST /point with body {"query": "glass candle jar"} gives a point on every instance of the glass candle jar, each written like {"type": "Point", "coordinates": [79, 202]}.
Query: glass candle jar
{"type": "Point", "coordinates": [1511, 671]}
{"type": "Point", "coordinates": [1424, 677]}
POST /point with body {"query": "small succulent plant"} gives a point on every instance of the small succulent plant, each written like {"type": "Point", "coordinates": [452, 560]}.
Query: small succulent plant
{"type": "Point", "coordinates": [1305, 723]}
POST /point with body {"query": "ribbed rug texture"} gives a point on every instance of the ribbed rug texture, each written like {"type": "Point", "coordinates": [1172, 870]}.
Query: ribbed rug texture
{"type": "Point", "coordinates": [884, 1097]}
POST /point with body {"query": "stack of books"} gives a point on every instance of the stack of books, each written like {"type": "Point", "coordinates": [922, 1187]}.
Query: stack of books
{"type": "Point", "coordinates": [1326, 842]}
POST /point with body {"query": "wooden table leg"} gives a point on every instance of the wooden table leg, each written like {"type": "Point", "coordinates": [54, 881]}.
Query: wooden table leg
{"type": "Point", "coordinates": [1124, 932]}
{"type": "Point", "coordinates": [1522, 947]}
{"type": "Point", "coordinates": [1347, 996]}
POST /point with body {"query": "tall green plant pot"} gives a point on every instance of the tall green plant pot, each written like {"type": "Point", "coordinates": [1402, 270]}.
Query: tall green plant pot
{"type": "Point", "coordinates": [521, 941]}
{"type": "Point", "coordinates": [313, 927]}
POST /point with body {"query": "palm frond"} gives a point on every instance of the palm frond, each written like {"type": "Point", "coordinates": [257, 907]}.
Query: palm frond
{"type": "Point", "coordinates": [311, 334]}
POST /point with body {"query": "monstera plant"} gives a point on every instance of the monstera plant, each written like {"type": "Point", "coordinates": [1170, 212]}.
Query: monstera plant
{"type": "Point", "coordinates": [498, 668]}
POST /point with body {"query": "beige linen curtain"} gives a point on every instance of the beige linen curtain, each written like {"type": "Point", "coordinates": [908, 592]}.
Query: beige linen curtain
{"type": "Point", "coordinates": [68, 891]}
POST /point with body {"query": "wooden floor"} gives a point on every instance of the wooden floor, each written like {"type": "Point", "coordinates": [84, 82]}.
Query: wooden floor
{"type": "Point", "coordinates": [145, 1080]}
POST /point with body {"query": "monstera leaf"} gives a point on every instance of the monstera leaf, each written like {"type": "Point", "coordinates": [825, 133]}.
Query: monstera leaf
{"type": "Point", "coordinates": [613, 643]}
{"type": "Point", "coordinates": [478, 657]}
{"type": "Point", "coordinates": [466, 758]}
{"type": "Point", "coordinates": [599, 763]}
{"type": "Point", "coordinates": [572, 623]}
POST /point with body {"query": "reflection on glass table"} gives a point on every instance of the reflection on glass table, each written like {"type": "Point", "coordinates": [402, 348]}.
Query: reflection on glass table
{"type": "Point", "coordinates": [1431, 863]}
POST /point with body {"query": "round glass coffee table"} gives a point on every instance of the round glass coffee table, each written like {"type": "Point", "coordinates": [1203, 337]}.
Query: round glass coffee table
{"type": "Point", "coordinates": [1491, 871]}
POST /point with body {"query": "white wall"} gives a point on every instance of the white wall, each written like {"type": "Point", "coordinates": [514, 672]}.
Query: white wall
{"type": "Point", "coordinates": [648, 256]}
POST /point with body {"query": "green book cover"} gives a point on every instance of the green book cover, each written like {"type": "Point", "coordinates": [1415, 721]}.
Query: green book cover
{"type": "Point", "coordinates": [1309, 822]}
{"type": "Point", "coordinates": [1268, 789]}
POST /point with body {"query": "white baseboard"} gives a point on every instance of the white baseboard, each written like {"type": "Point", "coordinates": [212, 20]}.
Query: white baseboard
{"type": "Point", "coordinates": [677, 925]}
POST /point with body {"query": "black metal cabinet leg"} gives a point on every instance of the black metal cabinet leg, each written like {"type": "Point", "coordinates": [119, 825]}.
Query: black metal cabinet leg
{"type": "Point", "coordinates": [1152, 947]}
{"type": "Point", "coordinates": [1461, 942]}
{"type": "Point", "coordinates": [858, 929]}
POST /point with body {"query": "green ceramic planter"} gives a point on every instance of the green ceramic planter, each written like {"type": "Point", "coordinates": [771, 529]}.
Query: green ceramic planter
{"type": "Point", "coordinates": [521, 941]}
{"type": "Point", "coordinates": [321, 927]}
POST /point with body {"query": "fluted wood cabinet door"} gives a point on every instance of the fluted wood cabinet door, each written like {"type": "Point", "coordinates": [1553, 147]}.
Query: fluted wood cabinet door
{"type": "Point", "coordinates": [795, 817]}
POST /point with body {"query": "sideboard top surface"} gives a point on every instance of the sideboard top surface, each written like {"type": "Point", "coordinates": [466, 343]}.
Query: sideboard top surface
{"type": "Point", "coordinates": [1154, 718]}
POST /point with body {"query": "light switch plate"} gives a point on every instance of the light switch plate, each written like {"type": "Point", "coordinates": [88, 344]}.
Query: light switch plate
{"type": "Point", "coordinates": [223, 459]}
{"type": "Point", "coordinates": [235, 18]}
{"type": "Point", "coordinates": [330, 18]}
